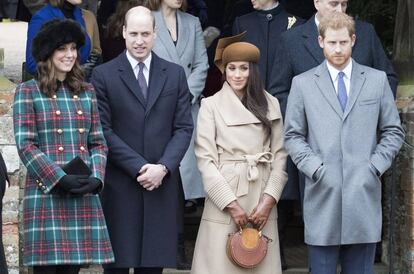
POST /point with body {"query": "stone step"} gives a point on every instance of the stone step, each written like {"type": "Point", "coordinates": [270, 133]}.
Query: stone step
{"type": "Point", "coordinates": [378, 269]}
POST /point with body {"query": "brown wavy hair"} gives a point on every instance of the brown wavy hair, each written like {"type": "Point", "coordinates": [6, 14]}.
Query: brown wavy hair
{"type": "Point", "coordinates": [116, 20]}
{"type": "Point", "coordinates": [254, 98]}
{"type": "Point", "coordinates": [156, 5]}
{"type": "Point", "coordinates": [48, 82]}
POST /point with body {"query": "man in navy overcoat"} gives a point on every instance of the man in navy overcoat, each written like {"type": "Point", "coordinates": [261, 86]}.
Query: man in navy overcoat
{"type": "Point", "coordinates": [144, 105]}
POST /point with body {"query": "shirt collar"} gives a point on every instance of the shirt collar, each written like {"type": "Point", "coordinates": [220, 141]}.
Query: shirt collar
{"type": "Point", "coordinates": [316, 21]}
{"type": "Point", "coordinates": [134, 62]}
{"type": "Point", "coordinates": [334, 71]}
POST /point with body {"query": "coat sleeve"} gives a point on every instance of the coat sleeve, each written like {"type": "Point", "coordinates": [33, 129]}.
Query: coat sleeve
{"type": "Point", "coordinates": [197, 78]}
{"type": "Point", "coordinates": [215, 185]}
{"type": "Point", "coordinates": [96, 142]}
{"type": "Point", "coordinates": [296, 131]}
{"type": "Point", "coordinates": [282, 74]}
{"type": "Point", "coordinates": [381, 61]}
{"type": "Point", "coordinates": [278, 176]}
{"type": "Point", "coordinates": [121, 154]}
{"type": "Point", "coordinates": [3, 177]}
{"type": "Point", "coordinates": [391, 134]}
{"type": "Point", "coordinates": [182, 128]}
{"type": "Point", "coordinates": [39, 165]}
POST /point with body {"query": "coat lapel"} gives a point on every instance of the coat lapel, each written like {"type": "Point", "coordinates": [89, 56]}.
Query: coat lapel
{"type": "Point", "coordinates": [324, 82]}
{"type": "Point", "coordinates": [234, 113]}
{"type": "Point", "coordinates": [183, 32]}
{"type": "Point", "coordinates": [310, 36]}
{"type": "Point", "coordinates": [127, 75]}
{"type": "Point", "coordinates": [165, 37]}
{"type": "Point", "coordinates": [357, 81]}
{"type": "Point", "coordinates": [157, 79]}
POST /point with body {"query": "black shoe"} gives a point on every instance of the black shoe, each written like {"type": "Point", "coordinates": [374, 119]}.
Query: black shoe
{"type": "Point", "coordinates": [190, 206]}
{"type": "Point", "coordinates": [182, 263]}
{"type": "Point", "coordinates": [282, 259]}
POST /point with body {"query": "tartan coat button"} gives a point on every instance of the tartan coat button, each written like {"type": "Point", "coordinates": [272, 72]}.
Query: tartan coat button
{"type": "Point", "coordinates": [75, 96]}
{"type": "Point", "coordinates": [82, 148]}
{"type": "Point", "coordinates": [81, 130]}
{"type": "Point", "coordinates": [80, 112]}
{"type": "Point", "coordinates": [40, 184]}
{"type": "Point", "coordinates": [60, 131]}
{"type": "Point", "coordinates": [61, 149]}
{"type": "Point", "coordinates": [54, 96]}
{"type": "Point", "coordinates": [58, 112]}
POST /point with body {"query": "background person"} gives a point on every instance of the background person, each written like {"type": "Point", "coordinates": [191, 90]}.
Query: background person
{"type": "Point", "coordinates": [180, 40]}
{"type": "Point", "coordinates": [90, 52]}
{"type": "Point", "coordinates": [56, 119]}
{"type": "Point", "coordinates": [4, 179]}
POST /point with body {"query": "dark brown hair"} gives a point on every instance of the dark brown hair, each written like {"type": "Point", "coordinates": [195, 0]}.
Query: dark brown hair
{"type": "Point", "coordinates": [116, 20]}
{"type": "Point", "coordinates": [47, 78]}
{"type": "Point", "coordinates": [57, 3]}
{"type": "Point", "coordinates": [156, 5]}
{"type": "Point", "coordinates": [254, 98]}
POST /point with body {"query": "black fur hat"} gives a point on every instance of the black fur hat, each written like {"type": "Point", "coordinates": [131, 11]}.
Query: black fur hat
{"type": "Point", "coordinates": [54, 34]}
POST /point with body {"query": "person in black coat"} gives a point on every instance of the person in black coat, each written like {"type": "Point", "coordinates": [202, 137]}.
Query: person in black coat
{"type": "Point", "coordinates": [263, 29]}
{"type": "Point", "coordinates": [3, 179]}
{"type": "Point", "coordinates": [301, 51]}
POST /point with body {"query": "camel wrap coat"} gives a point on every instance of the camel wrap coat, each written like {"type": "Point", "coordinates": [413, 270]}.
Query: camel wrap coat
{"type": "Point", "coordinates": [237, 162]}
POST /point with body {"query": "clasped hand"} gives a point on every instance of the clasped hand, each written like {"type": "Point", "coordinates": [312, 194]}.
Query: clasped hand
{"type": "Point", "coordinates": [258, 217]}
{"type": "Point", "coordinates": [150, 176]}
{"type": "Point", "coordinates": [79, 184]}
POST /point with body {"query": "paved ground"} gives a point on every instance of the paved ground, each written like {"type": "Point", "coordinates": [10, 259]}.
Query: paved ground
{"type": "Point", "coordinates": [13, 41]}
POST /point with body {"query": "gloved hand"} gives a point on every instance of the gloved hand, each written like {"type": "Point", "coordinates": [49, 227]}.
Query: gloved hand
{"type": "Point", "coordinates": [89, 185]}
{"type": "Point", "coordinates": [69, 182]}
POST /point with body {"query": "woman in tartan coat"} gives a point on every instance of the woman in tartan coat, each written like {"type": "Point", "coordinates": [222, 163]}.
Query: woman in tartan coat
{"type": "Point", "coordinates": [56, 119]}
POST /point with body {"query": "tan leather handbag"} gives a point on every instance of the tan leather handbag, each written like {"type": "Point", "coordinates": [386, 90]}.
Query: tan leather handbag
{"type": "Point", "coordinates": [247, 247]}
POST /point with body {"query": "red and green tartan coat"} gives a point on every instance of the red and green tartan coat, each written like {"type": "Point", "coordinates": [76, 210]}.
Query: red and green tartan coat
{"type": "Point", "coordinates": [50, 132]}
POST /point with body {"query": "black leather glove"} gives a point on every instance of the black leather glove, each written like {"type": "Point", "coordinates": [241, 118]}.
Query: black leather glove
{"type": "Point", "coordinates": [69, 182]}
{"type": "Point", "coordinates": [89, 185]}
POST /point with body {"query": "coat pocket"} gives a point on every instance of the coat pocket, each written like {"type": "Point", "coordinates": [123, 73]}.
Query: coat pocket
{"type": "Point", "coordinates": [368, 102]}
{"type": "Point", "coordinates": [213, 214]}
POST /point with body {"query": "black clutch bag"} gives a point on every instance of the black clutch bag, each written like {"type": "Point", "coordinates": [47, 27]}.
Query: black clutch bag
{"type": "Point", "coordinates": [77, 167]}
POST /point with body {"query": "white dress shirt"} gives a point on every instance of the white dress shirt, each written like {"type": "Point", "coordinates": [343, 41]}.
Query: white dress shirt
{"type": "Point", "coordinates": [135, 67]}
{"type": "Point", "coordinates": [347, 78]}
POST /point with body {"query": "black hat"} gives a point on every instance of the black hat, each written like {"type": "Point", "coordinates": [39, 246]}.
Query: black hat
{"type": "Point", "coordinates": [54, 34]}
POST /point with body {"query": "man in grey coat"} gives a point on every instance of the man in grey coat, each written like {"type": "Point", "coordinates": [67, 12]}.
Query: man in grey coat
{"type": "Point", "coordinates": [342, 130]}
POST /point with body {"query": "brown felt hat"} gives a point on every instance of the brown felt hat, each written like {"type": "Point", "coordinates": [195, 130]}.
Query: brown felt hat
{"type": "Point", "coordinates": [231, 49]}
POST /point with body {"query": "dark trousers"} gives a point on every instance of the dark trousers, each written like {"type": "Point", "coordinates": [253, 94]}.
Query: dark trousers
{"type": "Point", "coordinates": [56, 269]}
{"type": "Point", "coordinates": [142, 270]}
{"type": "Point", "coordinates": [354, 259]}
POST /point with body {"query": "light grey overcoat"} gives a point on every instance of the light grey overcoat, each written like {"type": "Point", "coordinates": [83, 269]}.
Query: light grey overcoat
{"type": "Point", "coordinates": [343, 205]}
{"type": "Point", "coordinates": [190, 52]}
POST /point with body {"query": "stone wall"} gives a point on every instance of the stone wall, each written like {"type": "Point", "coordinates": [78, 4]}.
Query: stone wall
{"type": "Point", "coordinates": [11, 200]}
{"type": "Point", "coordinates": [398, 194]}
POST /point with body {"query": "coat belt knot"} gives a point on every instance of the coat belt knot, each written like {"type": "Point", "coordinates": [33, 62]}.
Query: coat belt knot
{"type": "Point", "coordinates": [252, 160]}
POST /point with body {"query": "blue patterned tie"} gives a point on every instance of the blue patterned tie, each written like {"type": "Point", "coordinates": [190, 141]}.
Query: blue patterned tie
{"type": "Point", "coordinates": [141, 80]}
{"type": "Point", "coordinates": [342, 96]}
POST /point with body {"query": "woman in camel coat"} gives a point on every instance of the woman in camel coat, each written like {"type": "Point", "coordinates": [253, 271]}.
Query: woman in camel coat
{"type": "Point", "coordinates": [240, 153]}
